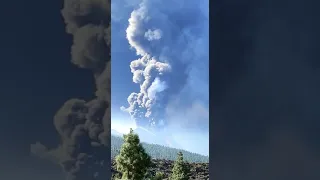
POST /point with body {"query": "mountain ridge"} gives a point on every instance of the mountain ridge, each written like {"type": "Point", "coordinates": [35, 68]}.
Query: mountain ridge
{"type": "Point", "coordinates": [159, 151]}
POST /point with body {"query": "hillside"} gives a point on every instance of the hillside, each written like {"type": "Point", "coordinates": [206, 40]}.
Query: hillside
{"type": "Point", "coordinates": [159, 152]}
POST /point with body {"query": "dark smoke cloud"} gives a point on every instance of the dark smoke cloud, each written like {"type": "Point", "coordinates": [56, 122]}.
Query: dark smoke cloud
{"type": "Point", "coordinates": [84, 126]}
{"type": "Point", "coordinates": [265, 102]}
{"type": "Point", "coordinates": [79, 13]}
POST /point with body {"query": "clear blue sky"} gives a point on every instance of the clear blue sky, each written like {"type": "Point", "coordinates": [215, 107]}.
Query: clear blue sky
{"type": "Point", "coordinates": [160, 71]}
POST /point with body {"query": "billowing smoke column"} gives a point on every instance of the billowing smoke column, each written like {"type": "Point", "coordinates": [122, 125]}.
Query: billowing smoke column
{"type": "Point", "coordinates": [171, 38]}
{"type": "Point", "coordinates": [84, 127]}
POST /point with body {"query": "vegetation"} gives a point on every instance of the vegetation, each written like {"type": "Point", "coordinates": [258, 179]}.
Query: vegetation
{"type": "Point", "coordinates": [158, 176]}
{"type": "Point", "coordinates": [132, 161]}
{"type": "Point", "coordinates": [159, 152]}
{"type": "Point", "coordinates": [180, 170]}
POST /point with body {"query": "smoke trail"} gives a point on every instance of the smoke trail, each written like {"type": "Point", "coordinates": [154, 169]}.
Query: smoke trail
{"type": "Point", "coordinates": [171, 38]}
{"type": "Point", "coordinates": [84, 126]}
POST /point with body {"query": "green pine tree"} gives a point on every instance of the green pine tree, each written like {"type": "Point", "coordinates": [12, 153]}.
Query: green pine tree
{"type": "Point", "coordinates": [180, 170]}
{"type": "Point", "coordinates": [132, 161]}
{"type": "Point", "coordinates": [158, 176]}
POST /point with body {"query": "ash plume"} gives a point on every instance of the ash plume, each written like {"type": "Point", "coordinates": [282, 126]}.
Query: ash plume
{"type": "Point", "coordinates": [171, 39]}
{"type": "Point", "coordinates": [84, 126]}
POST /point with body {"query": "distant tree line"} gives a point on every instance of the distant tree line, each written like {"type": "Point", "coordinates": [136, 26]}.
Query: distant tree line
{"type": "Point", "coordinates": [158, 151]}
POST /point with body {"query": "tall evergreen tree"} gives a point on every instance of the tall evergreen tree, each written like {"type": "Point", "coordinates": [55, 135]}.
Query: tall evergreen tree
{"type": "Point", "coordinates": [180, 170]}
{"type": "Point", "coordinates": [132, 160]}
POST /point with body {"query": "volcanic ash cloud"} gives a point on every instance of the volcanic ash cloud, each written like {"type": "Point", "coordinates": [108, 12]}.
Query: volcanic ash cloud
{"type": "Point", "coordinates": [84, 126]}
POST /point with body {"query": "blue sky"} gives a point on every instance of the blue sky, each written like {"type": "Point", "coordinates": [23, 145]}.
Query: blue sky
{"type": "Point", "coordinates": [160, 71]}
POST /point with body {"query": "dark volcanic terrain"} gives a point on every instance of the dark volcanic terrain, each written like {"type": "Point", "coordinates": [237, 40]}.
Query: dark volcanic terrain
{"type": "Point", "coordinates": [198, 170]}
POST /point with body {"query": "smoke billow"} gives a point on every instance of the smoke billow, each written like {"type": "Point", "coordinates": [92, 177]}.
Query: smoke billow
{"type": "Point", "coordinates": [84, 126]}
{"type": "Point", "coordinates": [171, 38]}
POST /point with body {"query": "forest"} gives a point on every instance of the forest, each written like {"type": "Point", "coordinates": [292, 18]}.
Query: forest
{"type": "Point", "coordinates": [132, 159]}
{"type": "Point", "coordinates": [159, 152]}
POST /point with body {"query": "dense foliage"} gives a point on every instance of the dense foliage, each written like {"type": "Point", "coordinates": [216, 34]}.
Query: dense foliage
{"type": "Point", "coordinates": [132, 161]}
{"type": "Point", "coordinates": [158, 151]}
{"type": "Point", "coordinates": [158, 176]}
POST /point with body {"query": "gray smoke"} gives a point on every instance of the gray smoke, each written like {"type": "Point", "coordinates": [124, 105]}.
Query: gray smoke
{"type": "Point", "coordinates": [84, 126]}
{"type": "Point", "coordinates": [171, 39]}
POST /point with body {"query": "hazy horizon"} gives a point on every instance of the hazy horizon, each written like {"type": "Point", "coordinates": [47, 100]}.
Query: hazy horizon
{"type": "Point", "coordinates": [116, 131]}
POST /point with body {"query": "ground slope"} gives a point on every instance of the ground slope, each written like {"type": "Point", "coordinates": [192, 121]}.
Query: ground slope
{"type": "Point", "coordinates": [163, 159]}
{"type": "Point", "coordinates": [159, 151]}
{"type": "Point", "coordinates": [198, 171]}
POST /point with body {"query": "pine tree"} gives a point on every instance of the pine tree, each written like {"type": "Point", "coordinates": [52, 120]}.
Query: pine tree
{"type": "Point", "coordinates": [158, 176]}
{"type": "Point", "coordinates": [180, 170]}
{"type": "Point", "coordinates": [132, 160]}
